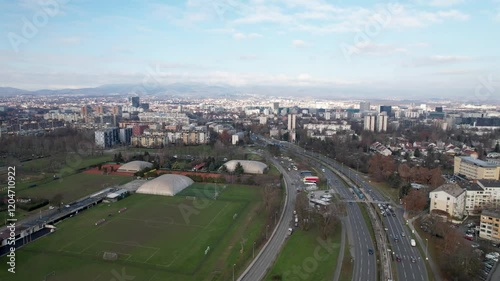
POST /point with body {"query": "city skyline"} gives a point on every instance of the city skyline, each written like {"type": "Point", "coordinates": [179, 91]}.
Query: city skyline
{"type": "Point", "coordinates": [412, 49]}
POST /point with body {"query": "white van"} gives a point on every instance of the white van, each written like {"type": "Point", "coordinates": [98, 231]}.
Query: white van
{"type": "Point", "coordinates": [413, 243]}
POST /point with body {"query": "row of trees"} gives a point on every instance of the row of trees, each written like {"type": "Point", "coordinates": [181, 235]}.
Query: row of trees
{"type": "Point", "coordinates": [384, 168]}
{"type": "Point", "coordinates": [326, 219]}
{"type": "Point", "coordinates": [455, 257]}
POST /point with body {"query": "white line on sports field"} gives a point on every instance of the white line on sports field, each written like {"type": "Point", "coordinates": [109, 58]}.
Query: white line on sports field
{"type": "Point", "coordinates": [216, 215]}
{"type": "Point", "coordinates": [160, 222]}
{"type": "Point", "coordinates": [65, 246]}
{"type": "Point", "coordinates": [82, 251]}
{"type": "Point", "coordinates": [131, 245]}
{"type": "Point", "coordinates": [154, 253]}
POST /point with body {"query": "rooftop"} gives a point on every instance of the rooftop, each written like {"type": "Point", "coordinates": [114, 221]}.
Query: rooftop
{"type": "Point", "coordinates": [491, 213]}
{"type": "Point", "coordinates": [471, 186]}
{"type": "Point", "coordinates": [489, 183]}
{"type": "Point", "coordinates": [478, 162]}
{"type": "Point", "coordinates": [452, 189]}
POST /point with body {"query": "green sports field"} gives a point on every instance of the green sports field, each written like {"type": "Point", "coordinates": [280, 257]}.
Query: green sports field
{"type": "Point", "coordinates": [155, 238]}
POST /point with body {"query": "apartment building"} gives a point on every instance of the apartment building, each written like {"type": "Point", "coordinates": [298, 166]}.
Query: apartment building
{"type": "Point", "coordinates": [474, 168]}
{"type": "Point", "coordinates": [448, 198]}
{"type": "Point", "coordinates": [106, 138]}
{"type": "Point", "coordinates": [490, 221]}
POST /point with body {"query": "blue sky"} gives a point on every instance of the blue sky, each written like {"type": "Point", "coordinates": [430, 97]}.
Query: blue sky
{"type": "Point", "coordinates": [423, 47]}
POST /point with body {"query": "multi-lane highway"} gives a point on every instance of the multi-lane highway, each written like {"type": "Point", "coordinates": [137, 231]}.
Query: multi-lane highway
{"type": "Point", "coordinates": [411, 266]}
{"type": "Point", "coordinates": [360, 241]}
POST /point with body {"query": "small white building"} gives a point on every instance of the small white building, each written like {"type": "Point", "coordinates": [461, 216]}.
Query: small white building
{"type": "Point", "coordinates": [448, 198]}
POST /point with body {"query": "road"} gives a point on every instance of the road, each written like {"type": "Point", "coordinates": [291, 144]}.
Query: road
{"type": "Point", "coordinates": [365, 268]}
{"type": "Point", "coordinates": [406, 269]}
{"type": "Point", "coordinates": [266, 257]}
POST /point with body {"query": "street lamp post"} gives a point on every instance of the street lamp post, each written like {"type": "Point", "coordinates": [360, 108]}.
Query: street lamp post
{"type": "Point", "coordinates": [426, 245]}
{"type": "Point", "coordinates": [233, 270]}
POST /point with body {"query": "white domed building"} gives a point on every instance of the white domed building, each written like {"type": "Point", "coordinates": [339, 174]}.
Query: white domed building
{"type": "Point", "coordinates": [249, 166]}
{"type": "Point", "coordinates": [166, 185]}
{"type": "Point", "coordinates": [134, 166]}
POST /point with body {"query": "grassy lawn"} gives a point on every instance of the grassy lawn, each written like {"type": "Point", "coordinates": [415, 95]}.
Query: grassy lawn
{"type": "Point", "coordinates": [41, 171]}
{"type": "Point", "coordinates": [156, 238]}
{"type": "Point", "coordinates": [74, 187]}
{"type": "Point", "coordinates": [431, 248]}
{"type": "Point", "coordinates": [347, 267]}
{"type": "Point", "coordinates": [273, 171]}
{"type": "Point", "coordinates": [388, 191]}
{"type": "Point", "coordinates": [254, 157]}
{"type": "Point", "coordinates": [368, 221]}
{"type": "Point", "coordinates": [75, 162]}
{"type": "Point", "coordinates": [298, 261]}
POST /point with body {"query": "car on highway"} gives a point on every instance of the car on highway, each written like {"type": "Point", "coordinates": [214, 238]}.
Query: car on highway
{"type": "Point", "coordinates": [403, 234]}
{"type": "Point", "coordinates": [398, 259]}
{"type": "Point", "coordinates": [413, 259]}
{"type": "Point", "coordinates": [393, 214]}
{"type": "Point", "coordinates": [370, 251]}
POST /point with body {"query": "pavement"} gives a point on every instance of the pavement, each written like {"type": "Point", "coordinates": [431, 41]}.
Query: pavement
{"type": "Point", "coordinates": [434, 268]}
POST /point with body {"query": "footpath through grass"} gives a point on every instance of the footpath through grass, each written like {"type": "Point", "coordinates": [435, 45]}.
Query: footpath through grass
{"type": "Point", "coordinates": [306, 256]}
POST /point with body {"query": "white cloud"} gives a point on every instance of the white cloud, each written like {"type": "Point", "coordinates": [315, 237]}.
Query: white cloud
{"type": "Point", "coordinates": [438, 60]}
{"type": "Point", "coordinates": [371, 48]}
{"type": "Point", "coordinates": [447, 59]}
{"type": "Point", "coordinates": [444, 3]}
{"type": "Point", "coordinates": [318, 17]}
{"type": "Point", "coordinates": [298, 43]}
{"type": "Point", "coordinates": [303, 77]}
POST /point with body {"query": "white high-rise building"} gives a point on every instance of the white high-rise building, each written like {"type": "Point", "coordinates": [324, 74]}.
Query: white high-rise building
{"type": "Point", "coordinates": [328, 115]}
{"type": "Point", "coordinates": [364, 106]}
{"type": "Point", "coordinates": [292, 123]}
{"type": "Point", "coordinates": [369, 123]}
{"type": "Point", "coordinates": [382, 122]}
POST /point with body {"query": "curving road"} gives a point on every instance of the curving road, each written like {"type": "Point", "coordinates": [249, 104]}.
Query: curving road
{"type": "Point", "coordinates": [266, 257]}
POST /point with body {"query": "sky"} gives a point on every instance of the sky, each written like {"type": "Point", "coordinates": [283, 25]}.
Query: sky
{"type": "Point", "coordinates": [428, 48]}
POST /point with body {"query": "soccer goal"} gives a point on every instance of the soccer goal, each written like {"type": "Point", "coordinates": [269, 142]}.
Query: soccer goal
{"type": "Point", "coordinates": [110, 256]}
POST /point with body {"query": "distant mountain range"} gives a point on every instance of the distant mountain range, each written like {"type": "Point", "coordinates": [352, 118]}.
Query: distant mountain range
{"type": "Point", "coordinates": [193, 89]}
{"type": "Point", "coordinates": [200, 90]}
